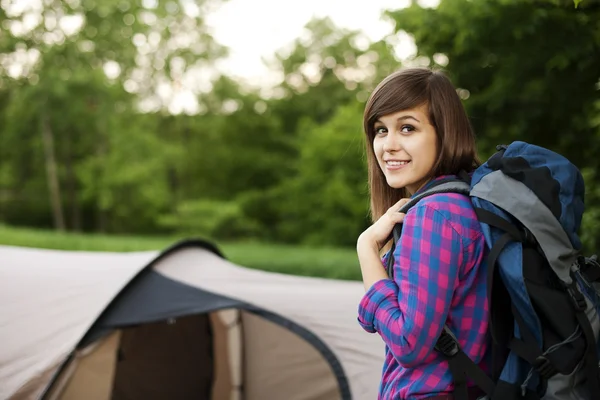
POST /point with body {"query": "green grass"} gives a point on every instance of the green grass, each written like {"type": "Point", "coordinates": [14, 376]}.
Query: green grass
{"type": "Point", "coordinates": [336, 263]}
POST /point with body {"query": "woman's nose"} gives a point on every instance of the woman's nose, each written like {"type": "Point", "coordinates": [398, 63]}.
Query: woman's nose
{"type": "Point", "coordinates": [392, 143]}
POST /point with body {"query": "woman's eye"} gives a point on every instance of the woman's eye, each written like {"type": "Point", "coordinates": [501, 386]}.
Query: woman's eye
{"type": "Point", "coordinates": [380, 130]}
{"type": "Point", "coordinates": [407, 128]}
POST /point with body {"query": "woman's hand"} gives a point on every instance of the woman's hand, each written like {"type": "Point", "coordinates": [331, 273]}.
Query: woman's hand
{"type": "Point", "coordinates": [372, 240]}
{"type": "Point", "coordinates": [377, 235]}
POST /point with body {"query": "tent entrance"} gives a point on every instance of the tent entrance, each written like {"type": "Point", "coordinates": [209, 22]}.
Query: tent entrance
{"type": "Point", "coordinates": [163, 360]}
{"type": "Point", "coordinates": [229, 354]}
{"type": "Point", "coordinates": [193, 357]}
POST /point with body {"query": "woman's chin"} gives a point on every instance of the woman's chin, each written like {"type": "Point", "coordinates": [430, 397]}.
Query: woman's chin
{"type": "Point", "coordinates": [396, 183]}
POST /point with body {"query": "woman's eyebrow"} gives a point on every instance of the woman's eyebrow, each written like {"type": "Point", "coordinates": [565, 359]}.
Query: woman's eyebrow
{"type": "Point", "coordinates": [402, 118]}
{"type": "Point", "coordinates": [405, 117]}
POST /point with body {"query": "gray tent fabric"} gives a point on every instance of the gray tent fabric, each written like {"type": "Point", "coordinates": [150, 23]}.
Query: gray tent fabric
{"type": "Point", "coordinates": [71, 324]}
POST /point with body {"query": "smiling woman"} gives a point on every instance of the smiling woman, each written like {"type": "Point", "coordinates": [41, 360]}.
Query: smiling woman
{"type": "Point", "coordinates": [440, 128]}
{"type": "Point", "coordinates": [417, 135]}
{"type": "Point", "coordinates": [405, 145]}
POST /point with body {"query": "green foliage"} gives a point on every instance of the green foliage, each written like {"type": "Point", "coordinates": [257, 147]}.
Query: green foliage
{"type": "Point", "coordinates": [327, 199]}
{"type": "Point", "coordinates": [324, 69]}
{"type": "Point", "coordinates": [127, 179]}
{"type": "Point", "coordinates": [209, 218]}
{"type": "Point", "coordinates": [590, 225]}
{"type": "Point", "coordinates": [88, 135]}
{"type": "Point", "coordinates": [530, 68]}
{"type": "Point", "coordinates": [76, 150]}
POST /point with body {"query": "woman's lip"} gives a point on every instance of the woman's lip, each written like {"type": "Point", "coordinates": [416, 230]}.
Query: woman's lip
{"type": "Point", "coordinates": [395, 167]}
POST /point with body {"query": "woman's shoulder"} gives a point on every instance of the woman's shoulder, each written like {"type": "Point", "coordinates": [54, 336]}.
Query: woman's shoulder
{"type": "Point", "coordinates": [454, 203]}
{"type": "Point", "coordinates": [456, 209]}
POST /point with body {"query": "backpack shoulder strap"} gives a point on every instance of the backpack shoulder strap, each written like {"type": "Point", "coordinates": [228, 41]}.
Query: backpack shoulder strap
{"type": "Point", "coordinates": [451, 185]}
{"type": "Point", "coordinates": [462, 367]}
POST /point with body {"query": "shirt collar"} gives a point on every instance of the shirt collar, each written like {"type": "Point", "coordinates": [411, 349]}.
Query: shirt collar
{"type": "Point", "coordinates": [431, 183]}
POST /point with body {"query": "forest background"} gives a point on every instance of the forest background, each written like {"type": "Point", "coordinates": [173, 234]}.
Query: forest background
{"type": "Point", "coordinates": [93, 156]}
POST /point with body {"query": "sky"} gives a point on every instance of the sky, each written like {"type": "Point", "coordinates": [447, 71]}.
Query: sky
{"type": "Point", "coordinates": [253, 29]}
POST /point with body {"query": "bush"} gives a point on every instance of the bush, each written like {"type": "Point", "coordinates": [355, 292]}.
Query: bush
{"type": "Point", "coordinates": [210, 218]}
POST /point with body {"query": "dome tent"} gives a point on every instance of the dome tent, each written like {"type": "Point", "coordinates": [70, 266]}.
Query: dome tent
{"type": "Point", "coordinates": [182, 323]}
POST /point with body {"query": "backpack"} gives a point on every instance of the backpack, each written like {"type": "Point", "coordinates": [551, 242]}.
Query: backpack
{"type": "Point", "coordinates": [543, 293]}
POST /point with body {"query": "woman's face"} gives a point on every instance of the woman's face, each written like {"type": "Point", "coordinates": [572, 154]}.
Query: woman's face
{"type": "Point", "coordinates": [405, 146]}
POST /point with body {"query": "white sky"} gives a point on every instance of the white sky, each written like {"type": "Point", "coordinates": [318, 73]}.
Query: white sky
{"type": "Point", "coordinates": [253, 29]}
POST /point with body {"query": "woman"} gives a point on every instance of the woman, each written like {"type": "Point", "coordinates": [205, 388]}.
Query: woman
{"type": "Point", "coordinates": [418, 133]}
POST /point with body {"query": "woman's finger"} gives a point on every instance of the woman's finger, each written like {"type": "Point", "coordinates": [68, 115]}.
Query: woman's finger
{"type": "Point", "coordinates": [395, 216]}
{"type": "Point", "coordinates": [398, 217]}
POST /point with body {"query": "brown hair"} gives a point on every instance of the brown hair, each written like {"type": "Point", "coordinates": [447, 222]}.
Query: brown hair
{"type": "Point", "coordinates": [409, 88]}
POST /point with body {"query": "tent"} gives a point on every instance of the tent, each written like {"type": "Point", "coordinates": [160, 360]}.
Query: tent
{"type": "Point", "coordinates": [184, 323]}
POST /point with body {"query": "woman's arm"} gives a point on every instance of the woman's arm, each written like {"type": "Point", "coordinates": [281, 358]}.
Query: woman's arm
{"type": "Point", "coordinates": [370, 263]}
{"type": "Point", "coordinates": [410, 311]}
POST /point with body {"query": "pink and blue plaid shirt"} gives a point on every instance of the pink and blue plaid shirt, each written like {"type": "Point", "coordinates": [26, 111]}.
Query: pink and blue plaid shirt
{"type": "Point", "coordinates": [439, 277]}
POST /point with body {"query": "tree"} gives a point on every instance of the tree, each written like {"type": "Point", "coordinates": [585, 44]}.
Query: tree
{"type": "Point", "coordinates": [324, 69]}
{"type": "Point", "coordinates": [326, 74]}
{"type": "Point", "coordinates": [326, 202]}
{"type": "Point", "coordinates": [526, 69]}
{"type": "Point", "coordinates": [73, 74]}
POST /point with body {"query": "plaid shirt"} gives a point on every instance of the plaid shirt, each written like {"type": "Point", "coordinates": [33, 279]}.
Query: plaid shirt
{"type": "Point", "coordinates": [439, 277]}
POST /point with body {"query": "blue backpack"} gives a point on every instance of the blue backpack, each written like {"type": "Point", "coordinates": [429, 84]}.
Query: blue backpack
{"type": "Point", "coordinates": [543, 292]}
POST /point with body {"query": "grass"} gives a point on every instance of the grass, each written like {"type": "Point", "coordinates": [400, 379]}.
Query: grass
{"type": "Point", "coordinates": [326, 262]}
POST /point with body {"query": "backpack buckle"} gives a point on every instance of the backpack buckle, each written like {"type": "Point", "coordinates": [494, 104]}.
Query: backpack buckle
{"type": "Point", "coordinates": [577, 297]}
{"type": "Point", "coordinates": [544, 367]}
{"type": "Point", "coordinates": [447, 343]}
